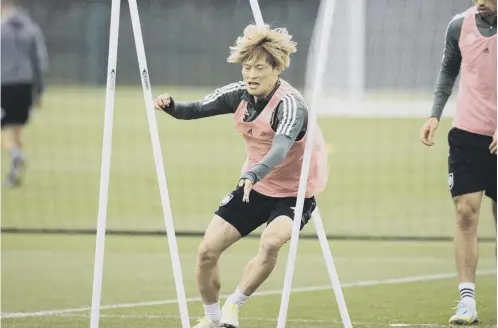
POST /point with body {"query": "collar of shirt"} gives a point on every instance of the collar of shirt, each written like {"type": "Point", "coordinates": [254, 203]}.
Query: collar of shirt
{"type": "Point", "coordinates": [487, 21]}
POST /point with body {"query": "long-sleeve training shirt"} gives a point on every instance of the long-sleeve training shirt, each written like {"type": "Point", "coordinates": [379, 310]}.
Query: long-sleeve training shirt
{"type": "Point", "coordinates": [288, 122]}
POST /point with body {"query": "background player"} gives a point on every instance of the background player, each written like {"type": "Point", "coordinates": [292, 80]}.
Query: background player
{"type": "Point", "coordinates": [471, 48]}
{"type": "Point", "coordinates": [271, 116]}
{"type": "Point", "coordinates": [24, 63]}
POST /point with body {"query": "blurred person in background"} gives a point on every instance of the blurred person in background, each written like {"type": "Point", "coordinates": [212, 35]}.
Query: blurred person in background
{"type": "Point", "coordinates": [470, 50]}
{"type": "Point", "coordinates": [24, 64]}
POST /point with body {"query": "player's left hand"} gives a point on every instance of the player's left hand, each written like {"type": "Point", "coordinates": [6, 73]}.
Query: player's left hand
{"type": "Point", "coordinates": [247, 184]}
{"type": "Point", "coordinates": [492, 147]}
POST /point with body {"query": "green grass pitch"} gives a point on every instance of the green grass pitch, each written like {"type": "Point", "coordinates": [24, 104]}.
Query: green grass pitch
{"type": "Point", "coordinates": [382, 182]}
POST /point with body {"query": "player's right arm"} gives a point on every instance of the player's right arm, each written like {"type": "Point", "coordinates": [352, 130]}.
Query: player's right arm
{"type": "Point", "coordinates": [450, 68]}
{"type": "Point", "coordinates": [222, 101]}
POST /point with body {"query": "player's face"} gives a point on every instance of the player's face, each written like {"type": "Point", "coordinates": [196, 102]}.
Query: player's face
{"type": "Point", "coordinates": [259, 77]}
{"type": "Point", "coordinates": [486, 7]}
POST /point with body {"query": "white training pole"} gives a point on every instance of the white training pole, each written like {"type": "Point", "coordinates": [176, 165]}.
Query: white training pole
{"type": "Point", "coordinates": [357, 42]}
{"type": "Point", "coordinates": [158, 159]}
{"type": "Point", "coordinates": [256, 12]}
{"type": "Point", "coordinates": [329, 262]}
{"type": "Point", "coordinates": [334, 278]}
{"type": "Point", "coordinates": [327, 8]}
{"type": "Point", "coordinates": [106, 163]}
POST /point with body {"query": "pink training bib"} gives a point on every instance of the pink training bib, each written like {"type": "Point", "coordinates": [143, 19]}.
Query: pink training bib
{"type": "Point", "coordinates": [476, 101]}
{"type": "Point", "coordinates": [283, 180]}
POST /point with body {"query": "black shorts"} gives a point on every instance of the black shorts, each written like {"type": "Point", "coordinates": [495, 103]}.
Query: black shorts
{"type": "Point", "coordinates": [471, 167]}
{"type": "Point", "coordinates": [17, 100]}
{"type": "Point", "coordinates": [247, 217]}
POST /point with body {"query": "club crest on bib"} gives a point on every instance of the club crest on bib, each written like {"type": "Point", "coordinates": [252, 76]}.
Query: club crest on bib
{"type": "Point", "coordinates": [227, 199]}
{"type": "Point", "coordinates": [450, 180]}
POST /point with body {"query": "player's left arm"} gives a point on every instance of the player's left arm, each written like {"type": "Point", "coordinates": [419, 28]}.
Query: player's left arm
{"type": "Point", "coordinates": [291, 118]}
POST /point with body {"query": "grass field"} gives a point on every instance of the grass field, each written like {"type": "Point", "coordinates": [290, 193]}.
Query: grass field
{"type": "Point", "coordinates": [385, 283]}
{"type": "Point", "coordinates": [383, 182]}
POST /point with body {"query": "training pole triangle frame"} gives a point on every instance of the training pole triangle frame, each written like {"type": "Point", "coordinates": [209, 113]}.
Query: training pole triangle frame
{"type": "Point", "coordinates": [105, 164]}
{"type": "Point", "coordinates": [326, 9]}
{"type": "Point", "coordinates": [158, 160]}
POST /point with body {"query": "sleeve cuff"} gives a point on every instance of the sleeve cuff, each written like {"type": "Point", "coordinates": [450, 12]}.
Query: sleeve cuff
{"type": "Point", "coordinates": [250, 176]}
{"type": "Point", "coordinates": [171, 105]}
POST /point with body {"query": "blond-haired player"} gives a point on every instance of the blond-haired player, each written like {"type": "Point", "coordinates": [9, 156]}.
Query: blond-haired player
{"type": "Point", "coordinates": [272, 118]}
{"type": "Point", "coordinates": [470, 50]}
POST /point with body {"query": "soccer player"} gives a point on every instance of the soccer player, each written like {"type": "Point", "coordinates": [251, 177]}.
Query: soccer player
{"type": "Point", "coordinates": [471, 49]}
{"type": "Point", "coordinates": [272, 118]}
{"type": "Point", "coordinates": [24, 64]}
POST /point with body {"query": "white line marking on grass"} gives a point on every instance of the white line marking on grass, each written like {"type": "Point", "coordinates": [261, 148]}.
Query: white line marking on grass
{"type": "Point", "coordinates": [364, 283]}
{"type": "Point", "coordinates": [416, 325]}
{"type": "Point", "coordinates": [430, 325]}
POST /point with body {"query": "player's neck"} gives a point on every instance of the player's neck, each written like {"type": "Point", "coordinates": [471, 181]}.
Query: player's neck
{"type": "Point", "coordinates": [263, 97]}
{"type": "Point", "coordinates": [490, 19]}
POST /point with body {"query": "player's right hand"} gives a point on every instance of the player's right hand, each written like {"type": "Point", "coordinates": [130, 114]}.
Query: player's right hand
{"type": "Point", "coordinates": [492, 146]}
{"type": "Point", "coordinates": [427, 131]}
{"type": "Point", "coordinates": [37, 103]}
{"type": "Point", "coordinates": [162, 102]}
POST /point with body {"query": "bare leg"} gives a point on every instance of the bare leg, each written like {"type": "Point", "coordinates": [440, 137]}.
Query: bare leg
{"type": "Point", "coordinates": [218, 237]}
{"type": "Point", "coordinates": [11, 142]}
{"type": "Point", "coordinates": [7, 139]}
{"type": "Point", "coordinates": [17, 136]}
{"type": "Point", "coordinates": [465, 239]}
{"type": "Point", "coordinates": [260, 267]}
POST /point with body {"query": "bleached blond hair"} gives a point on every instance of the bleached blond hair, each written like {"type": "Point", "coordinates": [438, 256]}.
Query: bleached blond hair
{"type": "Point", "coordinates": [258, 42]}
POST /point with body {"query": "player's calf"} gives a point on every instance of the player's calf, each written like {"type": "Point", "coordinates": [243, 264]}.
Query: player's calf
{"type": "Point", "coordinates": [207, 267]}
{"type": "Point", "coordinates": [465, 239]}
{"type": "Point", "coordinates": [258, 269]}
{"type": "Point", "coordinates": [218, 237]}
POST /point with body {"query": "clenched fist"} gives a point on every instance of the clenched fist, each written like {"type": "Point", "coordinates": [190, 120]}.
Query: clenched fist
{"type": "Point", "coordinates": [162, 102]}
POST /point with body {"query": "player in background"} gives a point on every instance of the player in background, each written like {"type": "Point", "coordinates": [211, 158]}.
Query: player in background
{"type": "Point", "coordinates": [470, 50]}
{"type": "Point", "coordinates": [272, 118]}
{"type": "Point", "coordinates": [24, 64]}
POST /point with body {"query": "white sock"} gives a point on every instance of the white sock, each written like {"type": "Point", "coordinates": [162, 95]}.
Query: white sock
{"type": "Point", "coordinates": [467, 289]}
{"type": "Point", "coordinates": [213, 311]}
{"type": "Point", "coordinates": [237, 298]}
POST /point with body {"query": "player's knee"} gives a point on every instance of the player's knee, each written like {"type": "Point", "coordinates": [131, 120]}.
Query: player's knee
{"type": "Point", "coordinates": [207, 254]}
{"type": "Point", "coordinates": [268, 250]}
{"type": "Point", "coordinates": [270, 246]}
{"type": "Point", "coordinates": [466, 215]}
